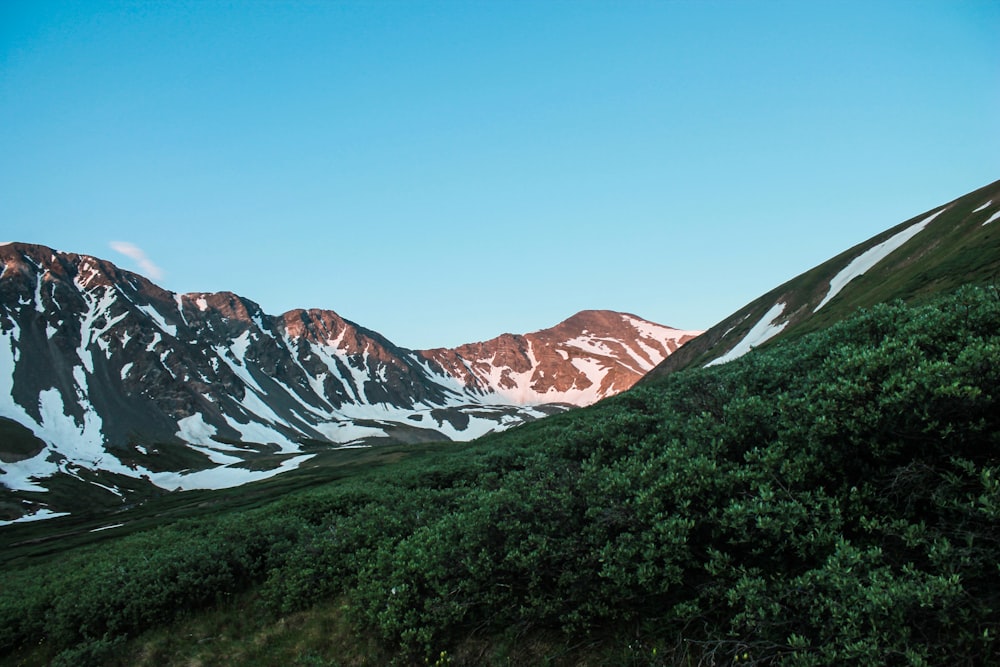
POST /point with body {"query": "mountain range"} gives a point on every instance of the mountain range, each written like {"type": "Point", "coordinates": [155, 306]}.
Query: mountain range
{"type": "Point", "coordinates": [113, 389]}
{"type": "Point", "coordinates": [109, 382]}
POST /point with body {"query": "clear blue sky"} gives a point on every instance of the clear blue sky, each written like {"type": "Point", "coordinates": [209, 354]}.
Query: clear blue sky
{"type": "Point", "coordinates": [443, 172]}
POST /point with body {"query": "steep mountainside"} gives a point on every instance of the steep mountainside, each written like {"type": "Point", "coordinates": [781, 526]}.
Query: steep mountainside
{"type": "Point", "coordinates": [108, 379]}
{"type": "Point", "coordinates": [936, 251]}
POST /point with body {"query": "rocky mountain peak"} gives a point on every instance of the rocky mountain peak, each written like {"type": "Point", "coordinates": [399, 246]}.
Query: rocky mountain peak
{"type": "Point", "coordinates": [589, 356]}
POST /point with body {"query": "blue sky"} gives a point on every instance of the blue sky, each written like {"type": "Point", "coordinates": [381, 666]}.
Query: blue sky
{"type": "Point", "coordinates": [443, 172]}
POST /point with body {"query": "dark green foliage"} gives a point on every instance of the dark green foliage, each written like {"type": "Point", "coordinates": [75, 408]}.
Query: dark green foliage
{"type": "Point", "coordinates": [835, 500]}
{"type": "Point", "coordinates": [92, 653]}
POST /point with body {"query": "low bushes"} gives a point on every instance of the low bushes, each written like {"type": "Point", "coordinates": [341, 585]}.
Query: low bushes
{"type": "Point", "coordinates": [833, 500]}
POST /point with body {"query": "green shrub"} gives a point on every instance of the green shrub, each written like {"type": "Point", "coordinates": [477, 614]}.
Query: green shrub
{"type": "Point", "coordinates": [829, 500]}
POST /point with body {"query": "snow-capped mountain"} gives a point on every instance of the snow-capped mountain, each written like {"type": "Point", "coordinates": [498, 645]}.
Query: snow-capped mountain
{"type": "Point", "coordinates": [591, 355]}
{"type": "Point", "coordinates": [106, 378]}
{"type": "Point", "coordinates": [938, 250]}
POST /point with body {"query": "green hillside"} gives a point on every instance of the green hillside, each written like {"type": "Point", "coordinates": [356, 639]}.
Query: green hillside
{"type": "Point", "coordinates": [831, 499]}
{"type": "Point", "coordinates": [956, 248]}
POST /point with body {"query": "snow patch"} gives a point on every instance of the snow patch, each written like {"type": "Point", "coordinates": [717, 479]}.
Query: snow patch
{"type": "Point", "coordinates": [235, 357]}
{"type": "Point", "coordinates": [311, 409]}
{"type": "Point", "coordinates": [766, 329]}
{"type": "Point", "coordinates": [591, 345]}
{"type": "Point", "coordinates": [38, 295]}
{"type": "Point", "coordinates": [195, 430]}
{"type": "Point", "coordinates": [253, 404]}
{"type": "Point", "coordinates": [78, 442]}
{"type": "Point", "coordinates": [216, 456]}
{"type": "Point", "coordinates": [169, 329]}
{"type": "Point", "coordinates": [328, 354]}
{"type": "Point", "coordinates": [240, 345]}
{"type": "Point", "coordinates": [110, 489]}
{"type": "Point", "coordinates": [869, 258]}
{"type": "Point", "coordinates": [97, 307]}
{"type": "Point", "coordinates": [81, 444]}
{"type": "Point", "coordinates": [263, 434]}
{"type": "Point", "coordinates": [163, 362]}
{"type": "Point", "coordinates": [223, 477]}
{"type": "Point", "coordinates": [114, 525]}
{"type": "Point", "coordinates": [259, 321]}
{"type": "Point", "coordinates": [346, 432]}
{"type": "Point", "coordinates": [993, 218]}
{"type": "Point", "coordinates": [180, 308]}
{"type": "Point", "coordinates": [983, 207]}
{"type": "Point", "coordinates": [658, 332]}
{"type": "Point", "coordinates": [40, 515]}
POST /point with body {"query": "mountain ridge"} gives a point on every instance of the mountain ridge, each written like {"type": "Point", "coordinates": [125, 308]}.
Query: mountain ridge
{"type": "Point", "coordinates": [121, 380]}
{"type": "Point", "coordinates": [949, 245]}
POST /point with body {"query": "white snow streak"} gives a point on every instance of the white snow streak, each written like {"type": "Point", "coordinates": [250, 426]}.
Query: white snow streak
{"type": "Point", "coordinates": [983, 207]}
{"type": "Point", "coordinates": [764, 330]}
{"type": "Point", "coordinates": [97, 307]}
{"type": "Point", "coordinates": [994, 217]}
{"type": "Point", "coordinates": [869, 258]}
{"type": "Point", "coordinates": [259, 321]}
{"type": "Point", "coordinates": [36, 516]}
{"type": "Point", "coordinates": [180, 308]}
{"type": "Point", "coordinates": [294, 395]}
{"type": "Point", "coordinates": [253, 404]}
{"type": "Point", "coordinates": [223, 477]}
{"type": "Point", "coordinates": [657, 332]}
{"type": "Point", "coordinates": [235, 357]}
{"type": "Point", "coordinates": [169, 329]}
{"type": "Point", "coordinates": [240, 345]}
{"type": "Point", "coordinates": [38, 294]}
{"type": "Point", "coordinates": [114, 525]}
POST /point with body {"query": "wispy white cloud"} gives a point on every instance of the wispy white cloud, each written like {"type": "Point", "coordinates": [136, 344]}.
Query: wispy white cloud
{"type": "Point", "coordinates": [139, 255]}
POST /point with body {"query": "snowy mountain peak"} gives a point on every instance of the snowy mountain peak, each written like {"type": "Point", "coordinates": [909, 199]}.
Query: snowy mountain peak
{"type": "Point", "coordinates": [589, 356]}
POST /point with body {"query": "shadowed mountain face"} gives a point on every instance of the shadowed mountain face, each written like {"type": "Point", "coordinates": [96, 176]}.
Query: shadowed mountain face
{"type": "Point", "coordinates": [937, 251]}
{"type": "Point", "coordinates": [107, 379]}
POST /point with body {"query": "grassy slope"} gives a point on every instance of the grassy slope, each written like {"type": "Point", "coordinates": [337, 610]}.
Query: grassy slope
{"type": "Point", "coordinates": [830, 500]}
{"type": "Point", "coordinates": [955, 249]}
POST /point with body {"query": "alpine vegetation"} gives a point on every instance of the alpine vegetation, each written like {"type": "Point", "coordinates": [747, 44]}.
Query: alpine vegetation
{"type": "Point", "coordinates": [832, 499]}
